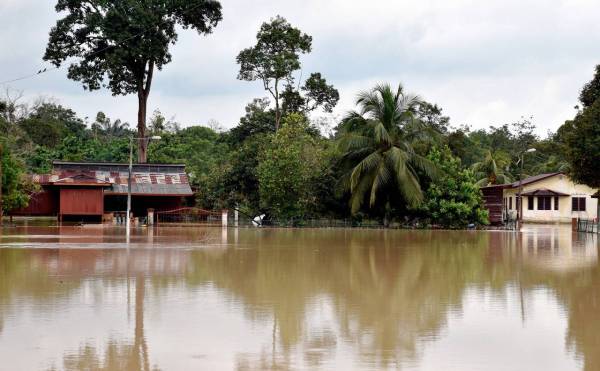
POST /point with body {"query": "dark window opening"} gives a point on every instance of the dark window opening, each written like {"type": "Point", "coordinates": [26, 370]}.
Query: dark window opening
{"type": "Point", "coordinates": [529, 203]}
{"type": "Point", "coordinates": [544, 203]}
{"type": "Point", "coordinates": [578, 203]}
{"type": "Point", "coordinates": [555, 202]}
{"type": "Point", "coordinates": [510, 203]}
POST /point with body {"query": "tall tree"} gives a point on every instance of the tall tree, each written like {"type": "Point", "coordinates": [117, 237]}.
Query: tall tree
{"type": "Point", "coordinates": [591, 91]}
{"type": "Point", "coordinates": [119, 44]}
{"type": "Point", "coordinates": [316, 93]}
{"type": "Point", "coordinates": [376, 142]}
{"type": "Point", "coordinates": [581, 136]}
{"type": "Point", "coordinates": [274, 58]}
{"type": "Point", "coordinates": [289, 168]}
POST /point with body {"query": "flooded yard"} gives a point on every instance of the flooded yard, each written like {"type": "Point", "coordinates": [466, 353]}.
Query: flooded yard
{"type": "Point", "coordinates": [81, 298]}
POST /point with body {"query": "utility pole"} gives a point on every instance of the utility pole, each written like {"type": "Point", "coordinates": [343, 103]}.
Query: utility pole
{"type": "Point", "coordinates": [519, 196]}
{"type": "Point", "coordinates": [128, 216]}
{"type": "Point", "coordinates": [1, 182]}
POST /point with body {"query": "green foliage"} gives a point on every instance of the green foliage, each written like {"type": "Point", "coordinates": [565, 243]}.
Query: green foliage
{"type": "Point", "coordinates": [591, 91]}
{"type": "Point", "coordinates": [118, 44]}
{"type": "Point", "coordinates": [198, 147]}
{"type": "Point", "coordinates": [103, 126]}
{"type": "Point", "coordinates": [275, 56]}
{"type": "Point", "coordinates": [288, 170]}
{"type": "Point", "coordinates": [317, 93]}
{"type": "Point", "coordinates": [233, 182]}
{"type": "Point", "coordinates": [49, 123]}
{"type": "Point", "coordinates": [582, 136]}
{"type": "Point", "coordinates": [491, 169]}
{"type": "Point", "coordinates": [376, 149]}
{"type": "Point", "coordinates": [273, 60]}
{"type": "Point", "coordinates": [15, 186]}
{"type": "Point", "coordinates": [454, 199]}
{"type": "Point", "coordinates": [259, 119]}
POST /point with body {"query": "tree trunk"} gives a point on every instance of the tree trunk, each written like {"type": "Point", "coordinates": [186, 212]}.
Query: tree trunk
{"type": "Point", "coordinates": [143, 93]}
{"type": "Point", "coordinates": [277, 110]}
{"type": "Point", "coordinates": [141, 126]}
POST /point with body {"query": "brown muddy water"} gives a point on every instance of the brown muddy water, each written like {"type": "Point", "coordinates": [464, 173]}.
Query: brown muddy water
{"type": "Point", "coordinates": [77, 298]}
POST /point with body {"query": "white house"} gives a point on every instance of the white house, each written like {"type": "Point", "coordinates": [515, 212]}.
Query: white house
{"type": "Point", "coordinates": [552, 197]}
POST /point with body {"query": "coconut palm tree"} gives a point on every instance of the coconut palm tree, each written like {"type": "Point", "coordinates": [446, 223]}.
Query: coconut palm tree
{"type": "Point", "coordinates": [375, 142]}
{"type": "Point", "coordinates": [491, 169]}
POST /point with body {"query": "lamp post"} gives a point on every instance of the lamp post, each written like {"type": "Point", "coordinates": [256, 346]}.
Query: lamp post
{"type": "Point", "coordinates": [519, 197]}
{"type": "Point", "coordinates": [128, 216]}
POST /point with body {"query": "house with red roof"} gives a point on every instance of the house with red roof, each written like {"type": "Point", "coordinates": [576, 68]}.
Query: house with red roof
{"type": "Point", "coordinates": [92, 190]}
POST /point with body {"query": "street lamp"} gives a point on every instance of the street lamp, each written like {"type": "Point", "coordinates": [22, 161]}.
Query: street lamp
{"type": "Point", "coordinates": [519, 197]}
{"type": "Point", "coordinates": [128, 217]}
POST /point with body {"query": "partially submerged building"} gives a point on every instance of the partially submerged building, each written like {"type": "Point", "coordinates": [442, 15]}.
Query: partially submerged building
{"type": "Point", "coordinates": [547, 198]}
{"type": "Point", "coordinates": [93, 190]}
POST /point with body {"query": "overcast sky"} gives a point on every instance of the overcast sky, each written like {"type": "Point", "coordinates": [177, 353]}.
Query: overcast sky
{"type": "Point", "coordinates": [484, 62]}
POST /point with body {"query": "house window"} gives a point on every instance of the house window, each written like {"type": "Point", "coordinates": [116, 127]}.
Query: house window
{"type": "Point", "coordinates": [578, 203]}
{"type": "Point", "coordinates": [530, 203]}
{"type": "Point", "coordinates": [555, 202]}
{"type": "Point", "coordinates": [510, 203]}
{"type": "Point", "coordinates": [544, 203]}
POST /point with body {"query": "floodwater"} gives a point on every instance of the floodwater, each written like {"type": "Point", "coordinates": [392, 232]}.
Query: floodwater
{"type": "Point", "coordinates": [76, 298]}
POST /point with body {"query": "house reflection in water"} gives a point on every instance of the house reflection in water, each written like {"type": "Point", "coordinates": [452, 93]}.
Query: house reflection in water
{"type": "Point", "coordinates": [554, 248]}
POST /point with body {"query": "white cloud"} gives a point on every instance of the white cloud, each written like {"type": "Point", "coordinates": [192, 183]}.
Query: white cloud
{"type": "Point", "coordinates": [484, 62]}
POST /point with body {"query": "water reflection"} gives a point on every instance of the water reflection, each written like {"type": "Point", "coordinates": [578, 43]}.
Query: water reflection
{"type": "Point", "coordinates": [297, 299]}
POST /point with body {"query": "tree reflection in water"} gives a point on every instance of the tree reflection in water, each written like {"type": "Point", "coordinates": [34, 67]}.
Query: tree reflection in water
{"type": "Point", "coordinates": [384, 295]}
{"type": "Point", "coordinates": [118, 354]}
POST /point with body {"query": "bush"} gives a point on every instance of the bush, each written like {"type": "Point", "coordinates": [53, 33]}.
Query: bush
{"type": "Point", "coordinates": [453, 200]}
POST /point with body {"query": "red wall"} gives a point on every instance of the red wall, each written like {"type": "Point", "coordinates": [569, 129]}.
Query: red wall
{"type": "Point", "coordinates": [81, 201]}
{"type": "Point", "coordinates": [43, 203]}
{"type": "Point", "coordinates": [492, 199]}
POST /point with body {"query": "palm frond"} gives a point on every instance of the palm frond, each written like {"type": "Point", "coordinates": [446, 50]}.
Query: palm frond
{"type": "Point", "coordinates": [351, 142]}
{"type": "Point", "coordinates": [359, 192]}
{"type": "Point", "coordinates": [409, 186]}
{"type": "Point", "coordinates": [363, 167]}
{"type": "Point", "coordinates": [382, 178]}
{"type": "Point", "coordinates": [424, 164]}
{"type": "Point", "coordinates": [382, 137]}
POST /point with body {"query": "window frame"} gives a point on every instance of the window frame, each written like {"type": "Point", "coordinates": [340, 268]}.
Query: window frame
{"type": "Point", "coordinates": [544, 203]}
{"type": "Point", "coordinates": [578, 203]}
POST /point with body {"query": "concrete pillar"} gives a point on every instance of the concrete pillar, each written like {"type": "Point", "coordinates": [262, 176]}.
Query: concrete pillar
{"type": "Point", "coordinates": [224, 214]}
{"type": "Point", "coordinates": [236, 217]}
{"type": "Point", "coordinates": [150, 216]}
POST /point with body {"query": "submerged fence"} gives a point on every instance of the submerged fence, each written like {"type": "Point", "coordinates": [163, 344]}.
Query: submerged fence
{"type": "Point", "coordinates": [587, 225]}
{"type": "Point", "coordinates": [190, 215]}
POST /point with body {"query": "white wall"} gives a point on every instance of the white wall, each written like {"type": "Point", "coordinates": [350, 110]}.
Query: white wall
{"type": "Point", "coordinates": [562, 184]}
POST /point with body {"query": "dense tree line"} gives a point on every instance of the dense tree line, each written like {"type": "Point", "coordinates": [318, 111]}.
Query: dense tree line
{"type": "Point", "coordinates": [396, 158]}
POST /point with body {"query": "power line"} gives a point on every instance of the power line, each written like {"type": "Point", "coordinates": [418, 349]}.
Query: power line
{"type": "Point", "coordinates": [29, 76]}
{"type": "Point", "coordinates": [48, 69]}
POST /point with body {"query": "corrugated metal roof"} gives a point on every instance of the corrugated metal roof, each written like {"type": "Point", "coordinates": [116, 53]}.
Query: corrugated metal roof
{"type": "Point", "coordinates": [533, 179]}
{"type": "Point", "coordinates": [544, 192]}
{"type": "Point", "coordinates": [150, 179]}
